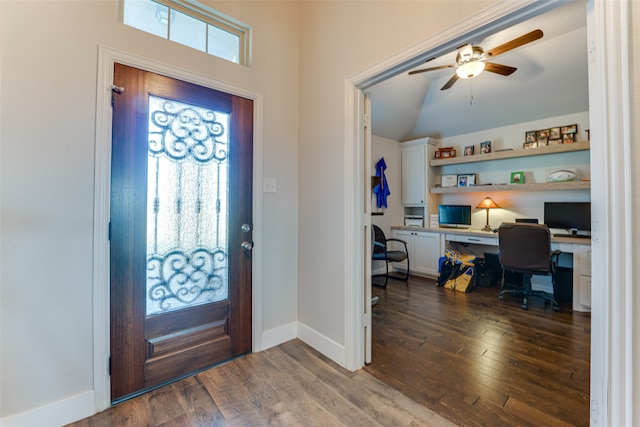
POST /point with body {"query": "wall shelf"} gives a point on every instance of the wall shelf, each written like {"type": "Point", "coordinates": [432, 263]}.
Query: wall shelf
{"type": "Point", "coordinates": [550, 149]}
{"type": "Point", "coordinates": [541, 186]}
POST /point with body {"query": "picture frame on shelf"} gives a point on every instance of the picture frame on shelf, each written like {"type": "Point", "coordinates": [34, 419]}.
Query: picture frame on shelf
{"type": "Point", "coordinates": [530, 137]}
{"type": "Point", "coordinates": [485, 147]}
{"type": "Point", "coordinates": [527, 145]}
{"type": "Point", "coordinates": [555, 141]}
{"type": "Point", "coordinates": [517, 178]}
{"type": "Point", "coordinates": [571, 129]}
{"type": "Point", "coordinates": [544, 133]}
{"type": "Point", "coordinates": [469, 150]}
{"type": "Point", "coordinates": [568, 138]}
{"type": "Point", "coordinates": [554, 133]}
{"type": "Point", "coordinates": [448, 181]}
{"type": "Point", "coordinates": [543, 142]}
{"type": "Point", "coordinates": [467, 180]}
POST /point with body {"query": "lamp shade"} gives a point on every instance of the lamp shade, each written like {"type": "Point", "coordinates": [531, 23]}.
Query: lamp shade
{"type": "Point", "coordinates": [487, 203]}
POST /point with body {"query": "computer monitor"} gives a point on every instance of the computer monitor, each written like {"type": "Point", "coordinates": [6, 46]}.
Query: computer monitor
{"type": "Point", "coordinates": [570, 216]}
{"type": "Point", "coordinates": [454, 215]}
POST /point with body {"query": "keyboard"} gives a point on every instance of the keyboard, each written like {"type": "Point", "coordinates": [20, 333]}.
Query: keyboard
{"type": "Point", "coordinates": [575, 236]}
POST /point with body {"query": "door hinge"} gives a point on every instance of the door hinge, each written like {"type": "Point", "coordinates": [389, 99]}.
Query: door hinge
{"type": "Point", "coordinates": [109, 365]}
{"type": "Point", "coordinates": [109, 232]}
{"type": "Point", "coordinates": [365, 120]}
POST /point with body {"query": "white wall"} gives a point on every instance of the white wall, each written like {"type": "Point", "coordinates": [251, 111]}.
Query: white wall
{"type": "Point", "coordinates": [340, 39]}
{"type": "Point", "coordinates": [48, 105]}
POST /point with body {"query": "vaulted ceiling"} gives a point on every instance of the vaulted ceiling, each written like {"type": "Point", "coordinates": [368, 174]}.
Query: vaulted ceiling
{"type": "Point", "coordinates": [550, 80]}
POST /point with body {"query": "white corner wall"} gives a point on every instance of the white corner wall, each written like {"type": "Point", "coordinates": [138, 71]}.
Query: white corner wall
{"type": "Point", "coordinates": [47, 132]}
{"type": "Point", "coordinates": [340, 39]}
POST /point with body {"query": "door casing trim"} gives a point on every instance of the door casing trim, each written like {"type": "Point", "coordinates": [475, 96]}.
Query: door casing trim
{"type": "Point", "coordinates": [102, 169]}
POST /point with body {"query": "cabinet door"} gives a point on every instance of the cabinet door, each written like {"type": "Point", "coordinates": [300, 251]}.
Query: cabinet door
{"type": "Point", "coordinates": [426, 252]}
{"type": "Point", "coordinates": [413, 175]}
{"type": "Point", "coordinates": [424, 248]}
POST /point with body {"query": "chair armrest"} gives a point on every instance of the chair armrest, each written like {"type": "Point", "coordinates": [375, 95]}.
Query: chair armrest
{"type": "Point", "coordinates": [399, 241]}
{"type": "Point", "coordinates": [379, 244]}
{"type": "Point", "coordinates": [555, 256]}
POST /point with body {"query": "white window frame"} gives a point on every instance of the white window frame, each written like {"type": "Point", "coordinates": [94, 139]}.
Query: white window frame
{"type": "Point", "coordinates": [211, 17]}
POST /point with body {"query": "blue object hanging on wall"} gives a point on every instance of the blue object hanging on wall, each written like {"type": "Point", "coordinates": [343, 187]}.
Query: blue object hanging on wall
{"type": "Point", "coordinates": [382, 189]}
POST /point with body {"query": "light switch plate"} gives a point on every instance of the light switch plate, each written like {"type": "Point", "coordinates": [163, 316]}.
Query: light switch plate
{"type": "Point", "coordinates": [268, 185]}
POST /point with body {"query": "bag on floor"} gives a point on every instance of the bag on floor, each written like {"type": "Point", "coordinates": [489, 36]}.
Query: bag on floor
{"type": "Point", "coordinates": [456, 275]}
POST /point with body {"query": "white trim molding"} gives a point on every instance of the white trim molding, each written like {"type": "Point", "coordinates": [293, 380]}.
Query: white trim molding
{"type": "Point", "coordinates": [106, 59]}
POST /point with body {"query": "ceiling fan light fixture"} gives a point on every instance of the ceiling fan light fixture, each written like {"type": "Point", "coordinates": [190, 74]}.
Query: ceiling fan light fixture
{"type": "Point", "coordinates": [470, 69]}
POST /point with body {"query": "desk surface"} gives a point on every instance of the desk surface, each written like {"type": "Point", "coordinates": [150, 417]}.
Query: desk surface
{"type": "Point", "coordinates": [480, 233]}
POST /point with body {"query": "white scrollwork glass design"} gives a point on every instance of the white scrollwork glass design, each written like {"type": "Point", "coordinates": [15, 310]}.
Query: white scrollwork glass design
{"type": "Point", "coordinates": [187, 206]}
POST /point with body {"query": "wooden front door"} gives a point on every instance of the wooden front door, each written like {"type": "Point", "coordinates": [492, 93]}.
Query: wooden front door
{"type": "Point", "coordinates": [180, 232]}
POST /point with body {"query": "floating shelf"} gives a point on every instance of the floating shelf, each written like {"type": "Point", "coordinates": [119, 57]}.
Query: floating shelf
{"type": "Point", "coordinates": [500, 155]}
{"type": "Point", "coordinates": [542, 186]}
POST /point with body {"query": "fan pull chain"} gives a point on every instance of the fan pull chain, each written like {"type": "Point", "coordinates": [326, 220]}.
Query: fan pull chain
{"type": "Point", "coordinates": [471, 92]}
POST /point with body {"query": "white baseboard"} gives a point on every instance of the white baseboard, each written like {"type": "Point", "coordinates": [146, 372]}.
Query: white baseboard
{"type": "Point", "coordinates": [279, 335]}
{"type": "Point", "coordinates": [324, 345]}
{"type": "Point", "coordinates": [55, 414]}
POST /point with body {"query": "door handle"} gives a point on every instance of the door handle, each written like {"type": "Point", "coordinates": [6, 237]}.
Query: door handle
{"type": "Point", "coordinates": [246, 246]}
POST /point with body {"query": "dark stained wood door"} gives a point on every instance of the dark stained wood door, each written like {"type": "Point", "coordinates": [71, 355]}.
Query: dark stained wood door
{"type": "Point", "coordinates": [181, 180]}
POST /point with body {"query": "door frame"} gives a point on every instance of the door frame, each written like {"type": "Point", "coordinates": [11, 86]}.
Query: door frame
{"type": "Point", "coordinates": [101, 282]}
{"type": "Point", "coordinates": [609, 112]}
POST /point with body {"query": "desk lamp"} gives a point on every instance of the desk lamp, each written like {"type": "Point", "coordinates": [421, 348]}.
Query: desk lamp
{"type": "Point", "coordinates": [487, 204]}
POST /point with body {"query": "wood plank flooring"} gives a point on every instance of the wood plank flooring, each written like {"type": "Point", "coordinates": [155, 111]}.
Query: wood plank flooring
{"type": "Point", "coordinates": [478, 361]}
{"type": "Point", "coordinates": [289, 385]}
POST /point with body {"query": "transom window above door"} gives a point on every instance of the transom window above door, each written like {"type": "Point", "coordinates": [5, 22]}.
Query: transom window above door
{"type": "Point", "coordinates": [191, 24]}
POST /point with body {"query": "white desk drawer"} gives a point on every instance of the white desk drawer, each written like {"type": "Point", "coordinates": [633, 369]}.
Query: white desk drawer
{"type": "Point", "coordinates": [478, 240]}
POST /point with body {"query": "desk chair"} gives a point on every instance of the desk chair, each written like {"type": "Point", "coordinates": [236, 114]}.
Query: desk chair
{"type": "Point", "coordinates": [526, 248]}
{"type": "Point", "coordinates": [381, 252]}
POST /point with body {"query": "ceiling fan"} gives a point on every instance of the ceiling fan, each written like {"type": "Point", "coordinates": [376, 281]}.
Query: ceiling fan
{"type": "Point", "coordinates": [472, 60]}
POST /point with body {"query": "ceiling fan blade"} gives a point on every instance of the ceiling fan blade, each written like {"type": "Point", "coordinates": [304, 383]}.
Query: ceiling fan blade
{"type": "Point", "coordinates": [450, 83]}
{"type": "Point", "coordinates": [431, 69]}
{"type": "Point", "coordinates": [505, 70]}
{"type": "Point", "coordinates": [517, 42]}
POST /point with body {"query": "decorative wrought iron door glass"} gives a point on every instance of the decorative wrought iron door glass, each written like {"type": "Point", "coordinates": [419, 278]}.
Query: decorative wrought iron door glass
{"type": "Point", "coordinates": [187, 206]}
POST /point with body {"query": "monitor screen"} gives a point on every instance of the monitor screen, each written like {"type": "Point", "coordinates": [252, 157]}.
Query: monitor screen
{"type": "Point", "coordinates": [574, 216]}
{"type": "Point", "coordinates": [454, 215]}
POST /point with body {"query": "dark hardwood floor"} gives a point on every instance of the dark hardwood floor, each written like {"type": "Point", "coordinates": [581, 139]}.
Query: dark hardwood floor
{"type": "Point", "coordinates": [478, 361]}
{"type": "Point", "coordinates": [288, 385]}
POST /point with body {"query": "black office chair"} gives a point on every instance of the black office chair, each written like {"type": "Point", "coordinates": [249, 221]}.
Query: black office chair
{"type": "Point", "coordinates": [381, 252]}
{"type": "Point", "coordinates": [526, 248]}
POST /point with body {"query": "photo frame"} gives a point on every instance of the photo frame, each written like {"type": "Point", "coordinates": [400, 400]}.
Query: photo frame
{"type": "Point", "coordinates": [467, 180]}
{"type": "Point", "coordinates": [568, 138]}
{"type": "Point", "coordinates": [543, 142]}
{"type": "Point", "coordinates": [533, 144]}
{"type": "Point", "coordinates": [530, 137]}
{"type": "Point", "coordinates": [569, 129]}
{"type": "Point", "coordinates": [485, 147]}
{"type": "Point", "coordinates": [555, 141]}
{"type": "Point", "coordinates": [448, 181]}
{"type": "Point", "coordinates": [517, 178]}
{"type": "Point", "coordinates": [554, 133]}
{"type": "Point", "coordinates": [469, 150]}
{"type": "Point", "coordinates": [544, 133]}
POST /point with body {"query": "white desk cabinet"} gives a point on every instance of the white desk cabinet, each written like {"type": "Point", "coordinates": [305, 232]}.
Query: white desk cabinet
{"type": "Point", "coordinates": [425, 248]}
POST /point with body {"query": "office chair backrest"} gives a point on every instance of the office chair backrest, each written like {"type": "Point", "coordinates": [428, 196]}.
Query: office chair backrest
{"type": "Point", "coordinates": [525, 247]}
{"type": "Point", "coordinates": [377, 235]}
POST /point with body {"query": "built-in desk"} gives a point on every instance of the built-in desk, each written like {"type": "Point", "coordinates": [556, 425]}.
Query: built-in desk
{"type": "Point", "coordinates": [576, 249]}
